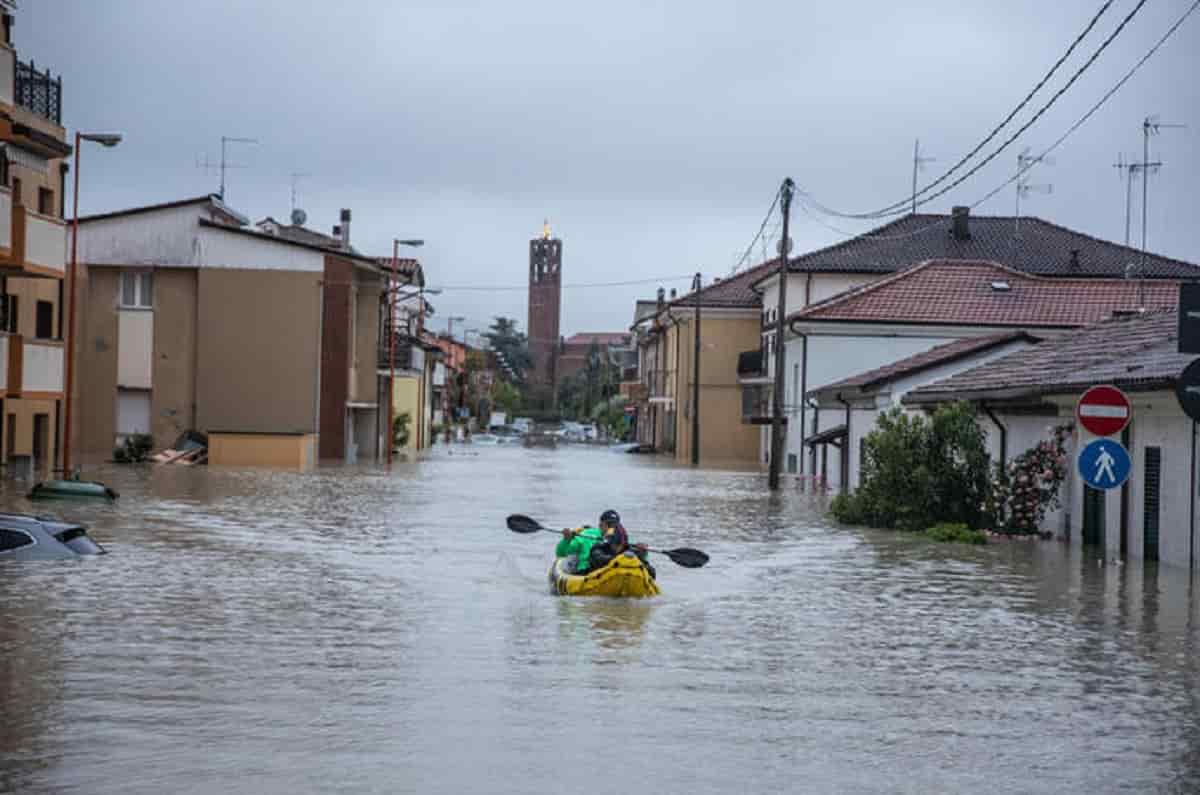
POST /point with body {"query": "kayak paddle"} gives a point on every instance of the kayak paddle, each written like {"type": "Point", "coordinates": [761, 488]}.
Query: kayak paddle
{"type": "Point", "coordinates": [684, 556]}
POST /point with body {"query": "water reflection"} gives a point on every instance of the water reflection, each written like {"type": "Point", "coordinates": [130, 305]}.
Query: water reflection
{"type": "Point", "coordinates": [353, 630]}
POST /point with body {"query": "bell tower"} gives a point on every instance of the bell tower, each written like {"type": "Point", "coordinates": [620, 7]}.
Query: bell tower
{"type": "Point", "coordinates": [545, 296]}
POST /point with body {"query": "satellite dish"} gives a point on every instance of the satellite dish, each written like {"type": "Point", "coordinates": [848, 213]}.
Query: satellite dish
{"type": "Point", "coordinates": [299, 217]}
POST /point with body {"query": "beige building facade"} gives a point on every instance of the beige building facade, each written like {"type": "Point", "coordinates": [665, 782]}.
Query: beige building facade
{"type": "Point", "coordinates": [193, 321]}
{"type": "Point", "coordinates": [33, 170]}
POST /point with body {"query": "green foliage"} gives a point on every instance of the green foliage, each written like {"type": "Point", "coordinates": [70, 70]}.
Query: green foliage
{"type": "Point", "coordinates": [610, 417]}
{"type": "Point", "coordinates": [511, 344]}
{"type": "Point", "coordinates": [400, 430]}
{"type": "Point", "coordinates": [506, 397]}
{"type": "Point", "coordinates": [597, 382]}
{"type": "Point", "coordinates": [1028, 486]}
{"type": "Point", "coordinates": [136, 449]}
{"type": "Point", "coordinates": [955, 533]}
{"type": "Point", "coordinates": [917, 471]}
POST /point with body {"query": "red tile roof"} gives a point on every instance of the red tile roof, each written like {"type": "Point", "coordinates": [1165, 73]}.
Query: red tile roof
{"type": "Point", "coordinates": [934, 357]}
{"type": "Point", "coordinates": [1135, 353]}
{"type": "Point", "coordinates": [949, 292]}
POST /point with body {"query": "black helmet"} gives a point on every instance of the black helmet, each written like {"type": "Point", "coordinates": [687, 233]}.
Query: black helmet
{"type": "Point", "coordinates": [610, 517]}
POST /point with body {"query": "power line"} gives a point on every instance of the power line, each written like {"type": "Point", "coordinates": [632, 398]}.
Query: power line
{"type": "Point", "coordinates": [1099, 104]}
{"type": "Point", "coordinates": [891, 209]}
{"type": "Point", "coordinates": [501, 288]}
{"type": "Point", "coordinates": [750, 248]}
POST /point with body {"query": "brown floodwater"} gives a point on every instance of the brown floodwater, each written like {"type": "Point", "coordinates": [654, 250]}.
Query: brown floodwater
{"type": "Point", "coordinates": [354, 630]}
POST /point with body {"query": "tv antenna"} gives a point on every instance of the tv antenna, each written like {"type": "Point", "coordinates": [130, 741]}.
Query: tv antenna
{"type": "Point", "coordinates": [1150, 126]}
{"type": "Point", "coordinates": [1025, 163]}
{"type": "Point", "coordinates": [1129, 168]}
{"type": "Point", "coordinates": [225, 140]}
{"type": "Point", "coordinates": [918, 165]}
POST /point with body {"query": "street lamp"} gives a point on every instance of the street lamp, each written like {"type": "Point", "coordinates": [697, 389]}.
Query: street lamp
{"type": "Point", "coordinates": [107, 140]}
{"type": "Point", "coordinates": [394, 285]}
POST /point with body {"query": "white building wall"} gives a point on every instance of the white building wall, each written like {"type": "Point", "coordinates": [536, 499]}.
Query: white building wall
{"type": "Point", "coordinates": [173, 237]}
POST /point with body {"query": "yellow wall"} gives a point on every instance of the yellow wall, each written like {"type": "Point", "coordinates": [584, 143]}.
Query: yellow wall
{"type": "Point", "coordinates": [24, 410]}
{"type": "Point", "coordinates": [724, 439]}
{"type": "Point", "coordinates": [405, 394]}
{"type": "Point", "coordinates": [298, 451]}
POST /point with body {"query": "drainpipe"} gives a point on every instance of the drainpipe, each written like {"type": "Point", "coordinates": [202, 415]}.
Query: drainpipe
{"type": "Point", "coordinates": [1192, 501]}
{"type": "Point", "coordinates": [803, 389]}
{"type": "Point", "coordinates": [845, 484]}
{"type": "Point", "coordinates": [1003, 432]}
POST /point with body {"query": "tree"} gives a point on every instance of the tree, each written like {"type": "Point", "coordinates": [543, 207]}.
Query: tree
{"type": "Point", "coordinates": [510, 345]}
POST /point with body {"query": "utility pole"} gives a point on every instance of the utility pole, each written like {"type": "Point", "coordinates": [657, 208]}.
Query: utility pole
{"type": "Point", "coordinates": [696, 285]}
{"type": "Point", "coordinates": [1150, 126]}
{"type": "Point", "coordinates": [777, 419]}
{"type": "Point", "coordinates": [918, 162]}
{"type": "Point", "coordinates": [225, 139]}
{"type": "Point", "coordinates": [1025, 162]}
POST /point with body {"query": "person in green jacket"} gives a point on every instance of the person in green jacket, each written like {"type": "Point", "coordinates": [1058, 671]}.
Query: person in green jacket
{"type": "Point", "coordinates": [578, 544]}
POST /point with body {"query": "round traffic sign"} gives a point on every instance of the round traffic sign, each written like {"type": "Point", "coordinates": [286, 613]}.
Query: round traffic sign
{"type": "Point", "coordinates": [1187, 390]}
{"type": "Point", "coordinates": [1104, 464]}
{"type": "Point", "coordinates": [1103, 410]}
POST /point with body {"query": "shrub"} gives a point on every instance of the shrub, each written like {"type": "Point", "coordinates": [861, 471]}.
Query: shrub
{"type": "Point", "coordinates": [917, 471]}
{"type": "Point", "coordinates": [1028, 486]}
{"type": "Point", "coordinates": [400, 430]}
{"type": "Point", "coordinates": [955, 533]}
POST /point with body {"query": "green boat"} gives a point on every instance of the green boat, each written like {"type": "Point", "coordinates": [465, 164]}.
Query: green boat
{"type": "Point", "coordinates": [71, 489]}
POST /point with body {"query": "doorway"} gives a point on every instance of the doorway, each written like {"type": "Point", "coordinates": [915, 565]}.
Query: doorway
{"type": "Point", "coordinates": [1093, 516]}
{"type": "Point", "coordinates": [1152, 491]}
{"type": "Point", "coordinates": [41, 441]}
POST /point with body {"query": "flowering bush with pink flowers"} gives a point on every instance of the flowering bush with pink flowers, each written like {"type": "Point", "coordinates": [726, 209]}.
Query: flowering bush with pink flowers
{"type": "Point", "coordinates": [1028, 486]}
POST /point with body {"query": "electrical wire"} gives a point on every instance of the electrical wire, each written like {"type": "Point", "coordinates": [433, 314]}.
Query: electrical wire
{"type": "Point", "coordinates": [891, 210]}
{"type": "Point", "coordinates": [504, 288]}
{"type": "Point", "coordinates": [1099, 104]}
{"type": "Point", "coordinates": [750, 248]}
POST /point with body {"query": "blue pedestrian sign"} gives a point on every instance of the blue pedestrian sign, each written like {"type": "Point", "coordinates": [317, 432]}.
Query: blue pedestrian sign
{"type": "Point", "coordinates": [1104, 464]}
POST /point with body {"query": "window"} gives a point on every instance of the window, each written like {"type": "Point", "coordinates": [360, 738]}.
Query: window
{"type": "Point", "coordinates": [13, 539]}
{"type": "Point", "coordinates": [3, 166]}
{"type": "Point", "coordinates": [137, 289]}
{"type": "Point", "coordinates": [45, 201]}
{"type": "Point", "coordinates": [16, 190]}
{"type": "Point", "coordinates": [133, 412]}
{"type": "Point", "coordinates": [45, 320]}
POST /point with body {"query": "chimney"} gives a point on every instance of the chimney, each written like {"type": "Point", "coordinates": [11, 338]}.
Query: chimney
{"type": "Point", "coordinates": [345, 226]}
{"type": "Point", "coordinates": [660, 296]}
{"type": "Point", "coordinates": [1074, 263]}
{"type": "Point", "coordinates": [673, 293]}
{"type": "Point", "coordinates": [961, 228]}
{"type": "Point", "coordinates": [337, 231]}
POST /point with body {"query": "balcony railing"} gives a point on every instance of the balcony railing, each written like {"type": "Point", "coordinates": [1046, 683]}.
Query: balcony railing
{"type": "Point", "coordinates": [408, 355]}
{"type": "Point", "coordinates": [42, 370]}
{"type": "Point", "coordinates": [756, 403]}
{"type": "Point", "coordinates": [38, 91]}
{"type": "Point", "coordinates": [45, 244]}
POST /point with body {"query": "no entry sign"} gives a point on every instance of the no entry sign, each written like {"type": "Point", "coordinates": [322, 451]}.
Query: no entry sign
{"type": "Point", "coordinates": [1103, 410]}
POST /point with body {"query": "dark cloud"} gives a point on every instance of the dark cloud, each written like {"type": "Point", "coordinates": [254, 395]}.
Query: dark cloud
{"type": "Point", "coordinates": [651, 135]}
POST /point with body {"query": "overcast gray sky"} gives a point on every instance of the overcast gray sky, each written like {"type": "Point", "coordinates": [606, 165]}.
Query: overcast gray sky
{"type": "Point", "coordinates": [652, 135]}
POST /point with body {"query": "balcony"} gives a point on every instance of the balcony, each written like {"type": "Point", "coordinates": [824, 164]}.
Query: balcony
{"type": "Point", "coordinates": [34, 367]}
{"type": "Point", "coordinates": [38, 92]}
{"type": "Point", "coordinates": [409, 356]}
{"type": "Point", "coordinates": [38, 242]}
{"type": "Point", "coordinates": [756, 404]}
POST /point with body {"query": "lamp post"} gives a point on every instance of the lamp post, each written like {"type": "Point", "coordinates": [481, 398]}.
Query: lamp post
{"type": "Point", "coordinates": [108, 140]}
{"type": "Point", "coordinates": [446, 387]}
{"type": "Point", "coordinates": [393, 287]}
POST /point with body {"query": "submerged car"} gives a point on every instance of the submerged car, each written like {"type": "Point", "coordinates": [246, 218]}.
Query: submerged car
{"type": "Point", "coordinates": [24, 537]}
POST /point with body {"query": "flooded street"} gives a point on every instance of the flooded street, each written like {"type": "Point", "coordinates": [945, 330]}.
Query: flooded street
{"type": "Point", "coordinates": [358, 631]}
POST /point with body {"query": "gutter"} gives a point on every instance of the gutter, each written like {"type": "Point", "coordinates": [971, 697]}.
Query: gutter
{"type": "Point", "coordinates": [845, 474]}
{"type": "Point", "coordinates": [1003, 431]}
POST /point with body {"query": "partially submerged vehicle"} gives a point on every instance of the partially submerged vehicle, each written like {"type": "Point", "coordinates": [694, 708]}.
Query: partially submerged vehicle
{"type": "Point", "coordinates": [25, 537]}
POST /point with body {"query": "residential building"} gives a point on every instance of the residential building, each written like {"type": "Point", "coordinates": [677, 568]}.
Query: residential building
{"type": "Point", "coordinates": [33, 171]}
{"type": "Point", "coordinates": [921, 309]}
{"type": "Point", "coordinates": [193, 320]}
{"type": "Point", "coordinates": [730, 323]}
{"type": "Point", "coordinates": [616, 348]}
{"type": "Point", "coordinates": [1153, 517]}
{"type": "Point", "coordinates": [1036, 248]}
{"type": "Point", "coordinates": [415, 358]}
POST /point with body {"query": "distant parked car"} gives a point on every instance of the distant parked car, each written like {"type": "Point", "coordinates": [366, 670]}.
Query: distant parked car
{"type": "Point", "coordinates": [24, 537]}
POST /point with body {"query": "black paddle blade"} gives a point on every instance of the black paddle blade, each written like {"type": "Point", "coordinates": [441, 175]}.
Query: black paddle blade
{"type": "Point", "coordinates": [523, 524]}
{"type": "Point", "coordinates": [686, 557]}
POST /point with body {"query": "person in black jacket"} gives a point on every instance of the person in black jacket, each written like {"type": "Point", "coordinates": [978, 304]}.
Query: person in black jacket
{"type": "Point", "coordinates": [615, 542]}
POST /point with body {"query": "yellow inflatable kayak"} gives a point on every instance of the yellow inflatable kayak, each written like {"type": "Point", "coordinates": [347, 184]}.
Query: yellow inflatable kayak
{"type": "Point", "coordinates": [625, 575]}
